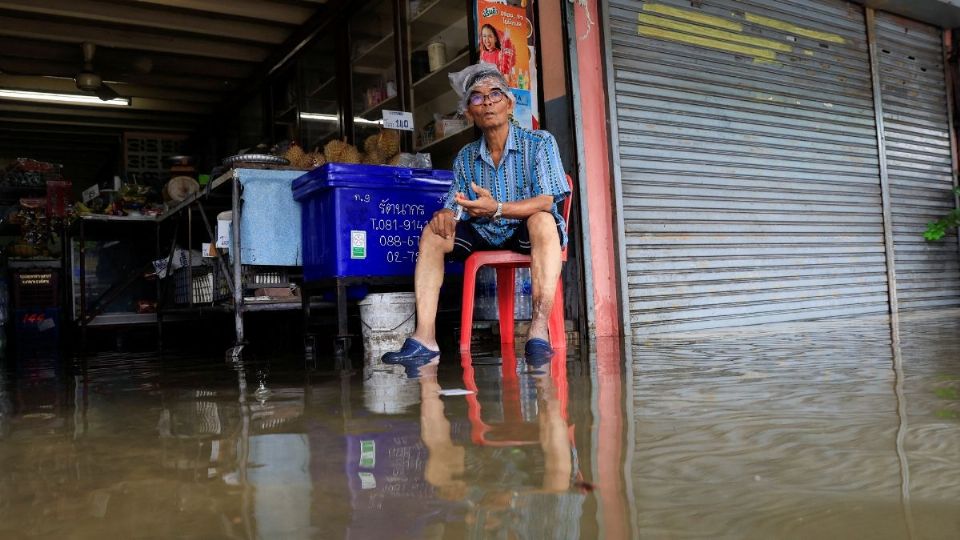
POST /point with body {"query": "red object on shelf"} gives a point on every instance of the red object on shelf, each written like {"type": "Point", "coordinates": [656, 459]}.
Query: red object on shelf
{"type": "Point", "coordinates": [505, 262]}
{"type": "Point", "coordinates": [59, 195]}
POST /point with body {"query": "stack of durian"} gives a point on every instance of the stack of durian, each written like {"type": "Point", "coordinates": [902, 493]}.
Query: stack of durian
{"type": "Point", "coordinates": [341, 152]}
{"type": "Point", "coordinates": [381, 148]}
{"type": "Point", "coordinates": [303, 160]}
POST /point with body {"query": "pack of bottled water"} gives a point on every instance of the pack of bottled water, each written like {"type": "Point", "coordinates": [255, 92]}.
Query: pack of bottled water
{"type": "Point", "coordinates": [523, 291]}
{"type": "Point", "coordinates": [485, 296]}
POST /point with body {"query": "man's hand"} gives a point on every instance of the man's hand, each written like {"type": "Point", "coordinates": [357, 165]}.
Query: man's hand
{"type": "Point", "coordinates": [484, 206]}
{"type": "Point", "coordinates": [443, 224]}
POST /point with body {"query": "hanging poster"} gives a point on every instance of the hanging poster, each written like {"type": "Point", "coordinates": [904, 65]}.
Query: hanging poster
{"type": "Point", "coordinates": [506, 39]}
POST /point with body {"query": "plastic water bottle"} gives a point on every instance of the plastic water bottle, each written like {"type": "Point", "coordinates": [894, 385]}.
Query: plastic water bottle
{"type": "Point", "coordinates": [523, 290]}
{"type": "Point", "coordinates": [485, 299]}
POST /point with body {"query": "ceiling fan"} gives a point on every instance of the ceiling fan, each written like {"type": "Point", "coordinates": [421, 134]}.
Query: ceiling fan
{"type": "Point", "coordinates": [88, 80]}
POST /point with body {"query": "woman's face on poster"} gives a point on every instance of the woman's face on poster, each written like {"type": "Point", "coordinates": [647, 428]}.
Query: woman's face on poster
{"type": "Point", "coordinates": [487, 39]}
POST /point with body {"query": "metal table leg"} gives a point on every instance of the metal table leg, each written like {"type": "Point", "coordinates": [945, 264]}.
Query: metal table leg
{"type": "Point", "coordinates": [237, 350]}
{"type": "Point", "coordinates": [342, 343]}
{"type": "Point", "coordinates": [82, 307]}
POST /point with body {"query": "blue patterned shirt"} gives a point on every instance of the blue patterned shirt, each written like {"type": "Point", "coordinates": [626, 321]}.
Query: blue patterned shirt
{"type": "Point", "coordinates": [529, 167]}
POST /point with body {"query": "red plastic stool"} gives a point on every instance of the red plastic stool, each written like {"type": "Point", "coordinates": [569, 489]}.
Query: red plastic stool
{"type": "Point", "coordinates": [511, 429]}
{"type": "Point", "coordinates": [505, 262]}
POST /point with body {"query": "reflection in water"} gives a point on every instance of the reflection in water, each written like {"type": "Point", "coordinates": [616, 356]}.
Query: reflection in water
{"type": "Point", "coordinates": [613, 436]}
{"type": "Point", "coordinates": [530, 424]}
{"type": "Point", "coordinates": [815, 430]}
{"type": "Point", "coordinates": [792, 433]}
{"type": "Point", "coordinates": [899, 381]}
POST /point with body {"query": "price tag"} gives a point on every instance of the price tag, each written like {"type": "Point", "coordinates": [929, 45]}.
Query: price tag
{"type": "Point", "coordinates": [90, 193]}
{"type": "Point", "coordinates": [397, 120]}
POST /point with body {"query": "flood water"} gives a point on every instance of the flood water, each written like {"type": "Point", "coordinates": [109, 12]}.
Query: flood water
{"type": "Point", "coordinates": [815, 430]}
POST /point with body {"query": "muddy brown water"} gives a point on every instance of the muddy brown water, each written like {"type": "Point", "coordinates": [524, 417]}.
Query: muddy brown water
{"type": "Point", "coordinates": [809, 430]}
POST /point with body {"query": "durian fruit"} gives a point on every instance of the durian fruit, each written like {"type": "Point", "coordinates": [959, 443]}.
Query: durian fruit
{"type": "Point", "coordinates": [350, 154]}
{"type": "Point", "coordinates": [371, 142]}
{"type": "Point", "coordinates": [317, 159]}
{"type": "Point", "coordinates": [386, 143]}
{"type": "Point", "coordinates": [389, 143]}
{"type": "Point", "coordinates": [341, 152]}
{"type": "Point", "coordinates": [295, 156]}
{"type": "Point", "coordinates": [334, 149]}
{"type": "Point", "coordinates": [373, 157]}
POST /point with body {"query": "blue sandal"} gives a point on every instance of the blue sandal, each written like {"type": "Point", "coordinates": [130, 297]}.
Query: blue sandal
{"type": "Point", "coordinates": [411, 350]}
{"type": "Point", "coordinates": [537, 349]}
{"type": "Point", "coordinates": [411, 368]}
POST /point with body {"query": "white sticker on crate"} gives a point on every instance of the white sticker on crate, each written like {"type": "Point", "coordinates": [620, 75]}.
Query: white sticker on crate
{"type": "Point", "coordinates": [223, 233]}
{"type": "Point", "coordinates": [358, 244]}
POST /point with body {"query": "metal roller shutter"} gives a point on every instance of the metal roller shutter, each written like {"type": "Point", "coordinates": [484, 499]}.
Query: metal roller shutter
{"type": "Point", "coordinates": [917, 140]}
{"type": "Point", "coordinates": [748, 162]}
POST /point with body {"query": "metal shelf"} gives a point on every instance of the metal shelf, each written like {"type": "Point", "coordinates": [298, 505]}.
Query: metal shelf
{"type": "Point", "coordinates": [273, 304]}
{"type": "Point", "coordinates": [437, 83]}
{"type": "Point", "coordinates": [288, 111]}
{"type": "Point", "coordinates": [433, 19]}
{"type": "Point", "coordinates": [321, 87]}
{"type": "Point", "coordinates": [21, 191]}
{"type": "Point", "coordinates": [446, 142]}
{"type": "Point", "coordinates": [119, 319]}
{"type": "Point", "coordinates": [376, 56]}
{"type": "Point", "coordinates": [237, 304]}
{"type": "Point", "coordinates": [106, 217]}
{"type": "Point", "coordinates": [374, 110]}
{"type": "Point", "coordinates": [33, 263]}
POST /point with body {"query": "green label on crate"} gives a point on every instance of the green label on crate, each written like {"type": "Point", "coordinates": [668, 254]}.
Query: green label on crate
{"type": "Point", "coordinates": [358, 244]}
{"type": "Point", "coordinates": [368, 454]}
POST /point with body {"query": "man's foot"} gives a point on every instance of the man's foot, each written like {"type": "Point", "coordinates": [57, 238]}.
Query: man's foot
{"type": "Point", "coordinates": [411, 350]}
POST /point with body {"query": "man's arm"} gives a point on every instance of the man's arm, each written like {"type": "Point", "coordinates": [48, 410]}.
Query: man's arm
{"type": "Point", "coordinates": [458, 186]}
{"type": "Point", "coordinates": [549, 177]}
{"type": "Point", "coordinates": [486, 206]}
{"type": "Point", "coordinates": [444, 221]}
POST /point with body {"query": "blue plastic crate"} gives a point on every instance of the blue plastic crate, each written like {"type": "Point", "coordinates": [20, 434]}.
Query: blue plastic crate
{"type": "Point", "coordinates": [365, 220]}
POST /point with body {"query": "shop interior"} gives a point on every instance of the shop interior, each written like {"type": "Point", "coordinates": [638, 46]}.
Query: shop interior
{"type": "Point", "coordinates": [121, 125]}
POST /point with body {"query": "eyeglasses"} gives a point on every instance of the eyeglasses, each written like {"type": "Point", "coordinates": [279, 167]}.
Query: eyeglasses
{"type": "Point", "coordinates": [495, 96]}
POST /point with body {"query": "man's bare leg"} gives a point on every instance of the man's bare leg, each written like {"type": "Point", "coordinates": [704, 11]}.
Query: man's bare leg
{"type": "Point", "coordinates": [544, 270]}
{"type": "Point", "coordinates": [554, 437]}
{"type": "Point", "coordinates": [427, 280]}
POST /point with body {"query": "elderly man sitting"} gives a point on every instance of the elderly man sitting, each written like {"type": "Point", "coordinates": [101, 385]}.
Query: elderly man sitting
{"type": "Point", "coordinates": [506, 195]}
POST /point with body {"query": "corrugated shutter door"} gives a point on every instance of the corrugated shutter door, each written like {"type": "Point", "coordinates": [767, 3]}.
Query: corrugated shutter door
{"type": "Point", "coordinates": [917, 137]}
{"type": "Point", "coordinates": [748, 162]}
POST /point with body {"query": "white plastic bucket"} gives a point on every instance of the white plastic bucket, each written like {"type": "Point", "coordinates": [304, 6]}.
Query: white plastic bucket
{"type": "Point", "coordinates": [387, 319]}
{"type": "Point", "coordinates": [387, 389]}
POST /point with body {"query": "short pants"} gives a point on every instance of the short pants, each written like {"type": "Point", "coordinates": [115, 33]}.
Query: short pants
{"type": "Point", "coordinates": [467, 240]}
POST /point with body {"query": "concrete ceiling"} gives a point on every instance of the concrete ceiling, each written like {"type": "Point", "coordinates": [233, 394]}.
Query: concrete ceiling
{"type": "Point", "coordinates": [177, 60]}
